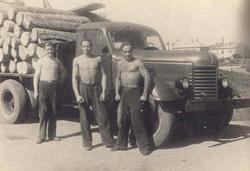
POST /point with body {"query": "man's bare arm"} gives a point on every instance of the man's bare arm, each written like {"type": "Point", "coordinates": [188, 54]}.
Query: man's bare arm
{"type": "Point", "coordinates": [146, 76]}
{"type": "Point", "coordinates": [104, 78]}
{"type": "Point", "coordinates": [75, 71]}
{"type": "Point", "coordinates": [36, 80]}
{"type": "Point", "coordinates": [118, 80]}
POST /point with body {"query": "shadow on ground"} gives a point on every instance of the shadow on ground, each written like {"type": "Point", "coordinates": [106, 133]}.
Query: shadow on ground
{"type": "Point", "coordinates": [230, 134]}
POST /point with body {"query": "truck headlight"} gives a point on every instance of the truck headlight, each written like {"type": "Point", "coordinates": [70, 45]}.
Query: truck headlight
{"type": "Point", "coordinates": [224, 82]}
{"type": "Point", "coordinates": [184, 83]}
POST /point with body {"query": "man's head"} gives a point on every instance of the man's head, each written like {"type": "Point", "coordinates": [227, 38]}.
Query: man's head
{"type": "Point", "coordinates": [127, 49]}
{"type": "Point", "coordinates": [50, 50]}
{"type": "Point", "coordinates": [86, 46]}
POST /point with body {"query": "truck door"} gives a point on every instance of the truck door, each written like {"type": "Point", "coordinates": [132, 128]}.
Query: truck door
{"type": "Point", "coordinates": [66, 53]}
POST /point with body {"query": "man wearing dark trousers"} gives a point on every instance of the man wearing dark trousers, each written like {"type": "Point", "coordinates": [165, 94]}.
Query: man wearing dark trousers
{"type": "Point", "coordinates": [89, 85]}
{"type": "Point", "coordinates": [48, 75]}
{"type": "Point", "coordinates": [130, 72]}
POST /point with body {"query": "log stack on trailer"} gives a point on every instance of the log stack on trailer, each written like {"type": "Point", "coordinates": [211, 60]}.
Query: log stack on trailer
{"type": "Point", "coordinates": [23, 30]}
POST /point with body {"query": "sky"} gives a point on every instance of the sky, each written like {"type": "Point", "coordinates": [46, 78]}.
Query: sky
{"type": "Point", "coordinates": [209, 21]}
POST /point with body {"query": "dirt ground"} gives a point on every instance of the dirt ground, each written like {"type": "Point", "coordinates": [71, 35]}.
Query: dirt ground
{"type": "Point", "coordinates": [229, 150]}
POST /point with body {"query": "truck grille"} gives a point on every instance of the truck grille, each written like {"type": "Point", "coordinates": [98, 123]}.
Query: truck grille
{"type": "Point", "coordinates": [205, 82]}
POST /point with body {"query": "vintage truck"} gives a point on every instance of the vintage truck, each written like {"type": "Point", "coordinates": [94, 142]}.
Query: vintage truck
{"type": "Point", "coordinates": [185, 85]}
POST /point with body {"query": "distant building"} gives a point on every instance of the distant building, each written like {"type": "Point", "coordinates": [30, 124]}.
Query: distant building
{"type": "Point", "coordinates": [224, 50]}
{"type": "Point", "coordinates": [194, 45]}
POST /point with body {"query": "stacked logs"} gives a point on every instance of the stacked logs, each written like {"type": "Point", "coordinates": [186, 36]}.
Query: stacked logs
{"type": "Point", "coordinates": [23, 30]}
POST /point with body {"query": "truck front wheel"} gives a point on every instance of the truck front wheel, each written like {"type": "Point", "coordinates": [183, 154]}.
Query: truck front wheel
{"type": "Point", "coordinates": [164, 124]}
{"type": "Point", "coordinates": [218, 120]}
{"type": "Point", "coordinates": [13, 101]}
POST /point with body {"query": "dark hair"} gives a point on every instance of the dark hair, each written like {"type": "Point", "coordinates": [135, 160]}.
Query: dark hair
{"type": "Point", "coordinates": [49, 44]}
{"type": "Point", "coordinates": [126, 44]}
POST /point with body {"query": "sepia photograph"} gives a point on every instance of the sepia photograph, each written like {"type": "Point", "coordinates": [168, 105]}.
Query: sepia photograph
{"type": "Point", "coordinates": [125, 85]}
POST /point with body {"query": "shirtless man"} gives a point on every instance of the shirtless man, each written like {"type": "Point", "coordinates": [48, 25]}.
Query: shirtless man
{"type": "Point", "coordinates": [129, 76]}
{"type": "Point", "coordinates": [89, 85]}
{"type": "Point", "coordinates": [48, 75]}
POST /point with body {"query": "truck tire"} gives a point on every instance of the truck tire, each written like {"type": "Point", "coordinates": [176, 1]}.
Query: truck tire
{"type": "Point", "coordinates": [165, 125]}
{"type": "Point", "coordinates": [218, 120]}
{"type": "Point", "coordinates": [13, 101]}
{"type": "Point", "coordinates": [32, 105]}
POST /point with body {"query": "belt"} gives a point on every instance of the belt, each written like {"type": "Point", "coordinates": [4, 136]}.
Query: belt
{"type": "Point", "coordinates": [49, 81]}
{"type": "Point", "coordinates": [96, 84]}
{"type": "Point", "coordinates": [130, 88]}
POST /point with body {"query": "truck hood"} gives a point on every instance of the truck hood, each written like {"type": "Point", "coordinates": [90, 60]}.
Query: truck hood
{"type": "Point", "coordinates": [196, 57]}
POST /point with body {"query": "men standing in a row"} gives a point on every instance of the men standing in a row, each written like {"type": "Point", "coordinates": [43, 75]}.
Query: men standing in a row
{"type": "Point", "coordinates": [48, 75]}
{"type": "Point", "coordinates": [89, 85]}
{"type": "Point", "coordinates": [129, 76]}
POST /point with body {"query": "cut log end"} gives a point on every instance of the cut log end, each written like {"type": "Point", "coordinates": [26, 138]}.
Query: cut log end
{"type": "Point", "coordinates": [24, 68]}
{"type": "Point", "coordinates": [11, 14]}
{"type": "Point", "coordinates": [25, 38]}
{"type": "Point", "coordinates": [17, 31]}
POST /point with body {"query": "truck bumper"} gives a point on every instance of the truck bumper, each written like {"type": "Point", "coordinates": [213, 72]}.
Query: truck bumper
{"type": "Point", "coordinates": [204, 105]}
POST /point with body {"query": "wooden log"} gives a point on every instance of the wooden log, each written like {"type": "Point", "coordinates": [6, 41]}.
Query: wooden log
{"type": "Point", "coordinates": [23, 53]}
{"type": "Point", "coordinates": [51, 24]}
{"type": "Point", "coordinates": [14, 53]}
{"type": "Point", "coordinates": [5, 34]}
{"type": "Point", "coordinates": [40, 52]}
{"type": "Point", "coordinates": [87, 8]}
{"type": "Point", "coordinates": [1, 42]}
{"type": "Point", "coordinates": [25, 38]}
{"type": "Point", "coordinates": [19, 18]}
{"type": "Point", "coordinates": [45, 34]}
{"type": "Point", "coordinates": [12, 66]}
{"type": "Point", "coordinates": [34, 62]}
{"type": "Point", "coordinates": [8, 26]}
{"type": "Point", "coordinates": [6, 48]}
{"type": "Point", "coordinates": [3, 17]}
{"type": "Point", "coordinates": [4, 67]}
{"type": "Point", "coordinates": [23, 17]}
{"type": "Point", "coordinates": [16, 8]}
{"type": "Point", "coordinates": [32, 49]}
{"type": "Point", "coordinates": [1, 55]}
{"type": "Point", "coordinates": [15, 42]}
{"type": "Point", "coordinates": [7, 40]}
{"type": "Point", "coordinates": [24, 68]}
{"type": "Point", "coordinates": [18, 31]}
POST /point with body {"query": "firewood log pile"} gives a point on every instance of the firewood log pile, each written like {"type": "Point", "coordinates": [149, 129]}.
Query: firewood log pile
{"type": "Point", "coordinates": [23, 30]}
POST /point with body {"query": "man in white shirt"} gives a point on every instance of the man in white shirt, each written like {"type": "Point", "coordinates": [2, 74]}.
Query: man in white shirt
{"type": "Point", "coordinates": [48, 75]}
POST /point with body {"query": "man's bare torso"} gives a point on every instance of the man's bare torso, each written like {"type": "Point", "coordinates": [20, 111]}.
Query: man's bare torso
{"type": "Point", "coordinates": [89, 69]}
{"type": "Point", "coordinates": [130, 73]}
{"type": "Point", "coordinates": [50, 69]}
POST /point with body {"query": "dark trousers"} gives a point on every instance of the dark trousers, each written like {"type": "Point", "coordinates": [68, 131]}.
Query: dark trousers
{"type": "Point", "coordinates": [91, 95]}
{"type": "Point", "coordinates": [130, 106]}
{"type": "Point", "coordinates": [47, 108]}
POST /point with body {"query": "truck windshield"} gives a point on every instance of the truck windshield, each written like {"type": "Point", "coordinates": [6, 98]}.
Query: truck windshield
{"type": "Point", "coordinates": [141, 39]}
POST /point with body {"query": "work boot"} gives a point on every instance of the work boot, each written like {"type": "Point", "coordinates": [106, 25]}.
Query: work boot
{"type": "Point", "coordinates": [40, 141]}
{"type": "Point", "coordinates": [88, 148]}
{"type": "Point", "coordinates": [118, 148]}
{"type": "Point", "coordinates": [54, 139]}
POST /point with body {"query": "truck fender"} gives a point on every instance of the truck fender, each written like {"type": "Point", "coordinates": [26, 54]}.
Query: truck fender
{"type": "Point", "coordinates": [164, 91]}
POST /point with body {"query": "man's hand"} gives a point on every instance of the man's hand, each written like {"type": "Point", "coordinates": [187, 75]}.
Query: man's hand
{"type": "Point", "coordinates": [79, 99]}
{"type": "Point", "coordinates": [143, 98]}
{"type": "Point", "coordinates": [117, 97]}
{"type": "Point", "coordinates": [102, 97]}
{"type": "Point", "coordinates": [35, 95]}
